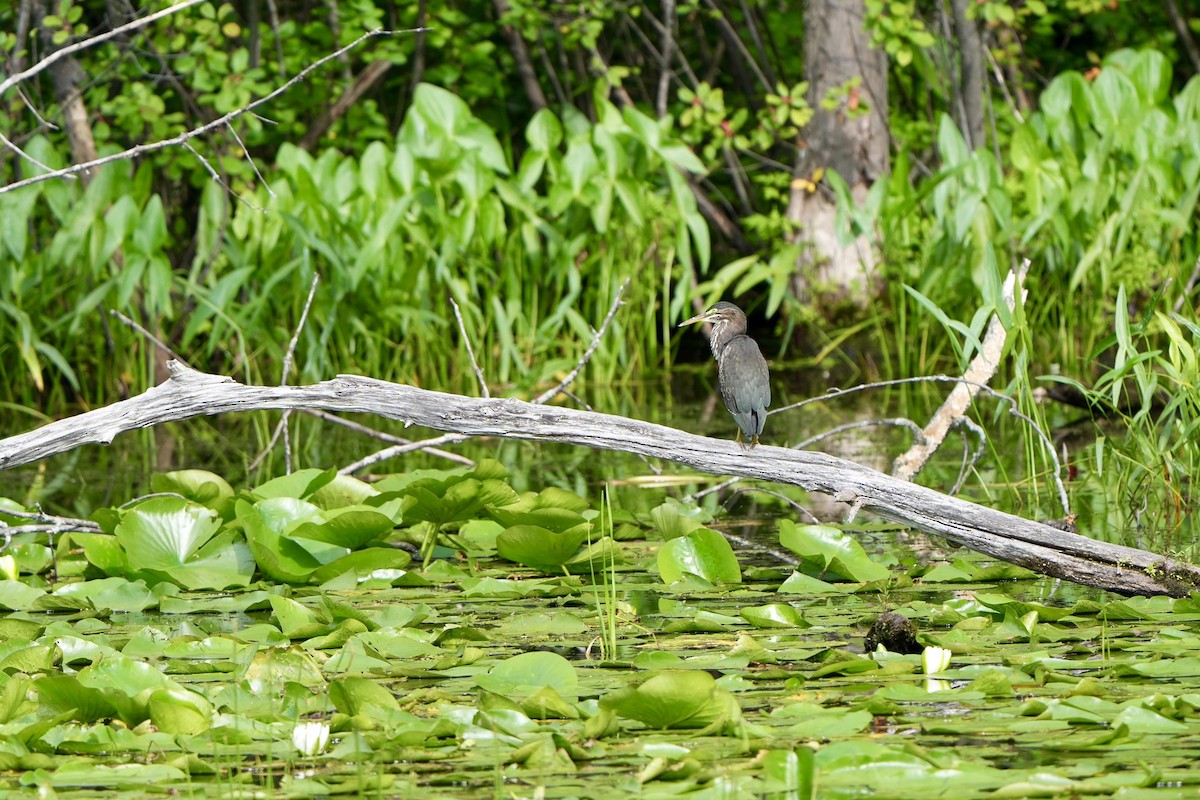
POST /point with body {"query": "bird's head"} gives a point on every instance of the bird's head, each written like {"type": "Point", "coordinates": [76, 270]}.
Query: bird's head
{"type": "Point", "coordinates": [721, 313]}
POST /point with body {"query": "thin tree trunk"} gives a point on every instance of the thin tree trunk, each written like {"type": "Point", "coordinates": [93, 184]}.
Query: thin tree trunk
{"type": "Point", "coordinates": [1184, 34]}
{"type": "Point", "coordinates": [520, 53]}
{"type": "Point", "coordinates": [418, 62]}
{"type": "Point", "coordinates": [67, 77]}
{"type": "Point", "coordinates": [853, 143]}
{"type": "Point", "coordinates": [970, 50]}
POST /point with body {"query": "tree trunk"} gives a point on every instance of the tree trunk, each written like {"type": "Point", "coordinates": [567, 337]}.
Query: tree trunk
{"type": "Point", "coordinates": [847, 140]}
{"type": "Point", "coordinates": [970, 84]}
{"type": "Point", "coordinates": [68, 78]}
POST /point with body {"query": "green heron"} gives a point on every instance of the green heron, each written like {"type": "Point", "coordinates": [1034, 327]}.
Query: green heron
{"type": "Point", "coordinates": [741, 369]}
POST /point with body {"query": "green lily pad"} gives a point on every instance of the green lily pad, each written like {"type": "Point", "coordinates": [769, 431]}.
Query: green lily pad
{"type": "Point", "coordinates": [200, 486]}
{"type": "Point", "coordinates": [827, 552]}
{"type": "Point", "coordinates": [704, 553]}
{"type": "Point", "coordinates": [526, 673]}
{"type": "Point", "coordinates": [540, 548]}
{"type": "Point", "coordinates": [177, 711]}
{"type": "Point", "coordinates": [775, 615]}
{"type": "Point", "coordinates": [674, 699]}
{"type": "Point", "coordinates": [18, 595]}
{"type": "Point", "coordinates": [164, 532]}
{"type": "Point", "coordinates": [63, 693]}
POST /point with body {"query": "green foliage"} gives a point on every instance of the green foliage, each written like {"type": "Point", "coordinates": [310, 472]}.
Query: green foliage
{"type": "Point", "coordinates": [827, 553]}
{"type": "Point", "coordinates": [702, 553]}
{"type": "Point", "coordinates": [443, 213]}
{"type": "Point", "coordinates": [1098, 191]}
{"type": "Point", "coordinates": [895, 27]}
{"type": "Point", "coordinates": [370, 682]}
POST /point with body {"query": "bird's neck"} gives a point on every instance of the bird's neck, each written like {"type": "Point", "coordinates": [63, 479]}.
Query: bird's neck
{"type": "Point", "coordinates": [722, 334]}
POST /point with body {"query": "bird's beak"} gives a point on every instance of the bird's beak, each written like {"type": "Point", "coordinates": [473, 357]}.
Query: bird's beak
{"type": "Point", "coordinates": [698, 318]}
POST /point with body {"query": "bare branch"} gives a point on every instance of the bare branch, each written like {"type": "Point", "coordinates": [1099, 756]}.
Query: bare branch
{"type": "Point", "coordinates": [282, 427]}
{"type": "Point", "coordinates": [549, 394]}
{"type": "Point", "coordinates": [399, 450]}
{"type": "Point", "coordinates": [143, 149]}
{"type": "Point", "coordinates": [83, 44]}
{"type": "Point", "coordinates": [979, 371]}
{"type": "Point", "coordinates": [1034, 545]}
{"type": "Point", "coordinates": [462, 328]}
{"type": "Point", "coordinates": [358, 427]}
{"type": "Point", "coordinates": [167, 351]}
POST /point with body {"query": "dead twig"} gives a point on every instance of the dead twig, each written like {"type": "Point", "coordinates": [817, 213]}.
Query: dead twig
{"type": "Point", "coordinates": [143, 149]}
{"type": "Point", "coordinates": [282, 426]}
{"type": "Point", "coordinates": [462, 328]}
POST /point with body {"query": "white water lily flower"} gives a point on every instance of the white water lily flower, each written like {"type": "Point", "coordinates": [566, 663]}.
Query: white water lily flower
{"type": "Point", "coordinates": [310, 738]}
{"type": "Point", "coordinates": [935, 659]}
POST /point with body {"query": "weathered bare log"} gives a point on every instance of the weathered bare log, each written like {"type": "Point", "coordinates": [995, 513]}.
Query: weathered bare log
{"type": "Point", "coordinates": [1039, 547]}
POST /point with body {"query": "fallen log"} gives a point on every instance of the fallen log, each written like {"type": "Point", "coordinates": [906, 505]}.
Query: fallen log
{"type": "Point", "coordinates": [1041, 548]}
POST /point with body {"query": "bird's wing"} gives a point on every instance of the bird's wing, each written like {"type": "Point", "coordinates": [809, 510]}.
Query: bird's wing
{"type": "Point", "coordinates": [745, 383]}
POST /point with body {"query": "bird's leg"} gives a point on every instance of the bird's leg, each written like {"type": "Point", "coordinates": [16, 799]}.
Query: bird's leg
{"type": "Point", "coordinates": [754, 443]}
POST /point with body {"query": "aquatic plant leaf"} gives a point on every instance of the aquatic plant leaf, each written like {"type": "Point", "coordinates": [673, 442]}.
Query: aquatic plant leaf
{"type": "Point", "coordinates": [547, 703]}
{"type": "Point", "coordinates": [353, 695]}
{"type": "Point", "coordinates": [827, 552]}
{"type": "Point", "coordinates": [704, 553]}
{"type": "Point", "coordinates": [112, 594]}
{"type": "Point", "coordinates": [279, 557]}
{"type": "Point", "coordinates": [673, 519]}
{"type": "Point", "coordinates": [80, 774]}
{"type": "Point", "coordinates": [1147, 721]}
{"type": "Point", "coordinates": [657, 659]}
{"type": "Point", "coordinates": [350, 527]}
{"type": "Point", "coordinates": [291, 665]}
{"type": "Point", "coordinates": [20, 655]}
{"type": "Point", "coordinates": [61, 693]}
{"type": "Point", "coordinates": [296, 620]}
{"type": "Point", "coordinates": [103, 550]}
{"type": "Point", "coordinates": [554, 519]}
{"type": "Point", "coordinates": [363, 563]}
{"type": "Point", "coordinates": [526, 673]}
{"type": "Point", "coordinates": [127, 684]}
{"type": "Point", "coordinates": [164, 532]}
{"type": "Point", "coordinates": [178, 711]}
{"type": "Point", "coordinates": [200, 486]}
{"type": "Point", "coordinates": [791, 772]}
{"type": "Point", "coordinates": [775, 615]}
{"type": "Point", "coordinates": [225, 561]}
{"type": "Point", "coordinates": [342, 491]}
{"type": "Point", "coordinates": [948, 573]}
{"type": "Point", "coordinates": [539, 547]}
{"type": "Point", "coordinates": [18, 595]}
{"type": "Point", "coordinates": [1186, 667]}
{"type": "Point", "coordinates": [596, 558]}
{"type": "Point", "coordinates": [441, 502]}
{"type": "Point", "coordinates": [673, 699]}
{"type": "Point", "coordinates": [297, 485]}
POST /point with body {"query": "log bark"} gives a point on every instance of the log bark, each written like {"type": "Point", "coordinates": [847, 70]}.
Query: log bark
{"type": "Point", "coordinates": [1039, 547]}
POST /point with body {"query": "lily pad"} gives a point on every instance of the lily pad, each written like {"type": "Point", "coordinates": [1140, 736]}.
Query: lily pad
{"type": "Point", "coordinates": [540, 548]}
{"type": "Point", "coordinates": [704, 553]}
{"type": "Point", "coordinates": [826, 552]}
{"type": "Point", "coordinates": [675, 699]}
